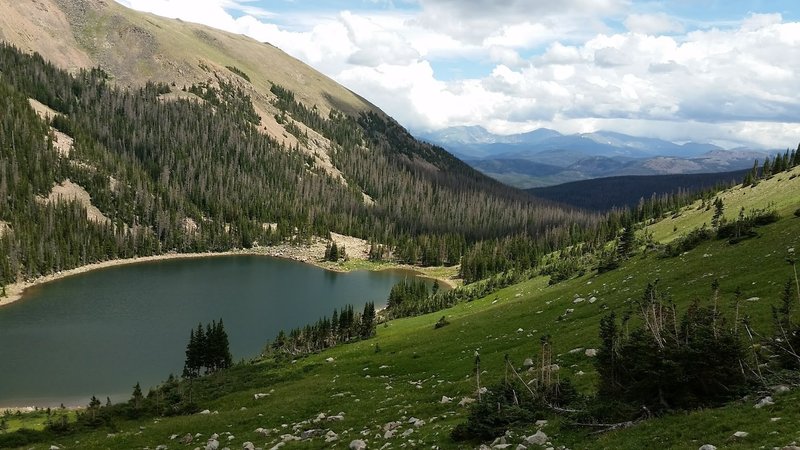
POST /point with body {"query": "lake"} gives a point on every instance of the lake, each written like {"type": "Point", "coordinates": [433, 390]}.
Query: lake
{"type": "Point", "coordinates": [100, 332]}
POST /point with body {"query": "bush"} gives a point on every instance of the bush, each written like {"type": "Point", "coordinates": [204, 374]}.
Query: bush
{"type": "Point", "coordinates": [691, 362]}
{"type": "Point", "coordinates": [797, 212]}
{"type": "Point", "coordinates": [688, 242]}
{"type": "Point", "coordinates": [507, 405]}
{"type": "Point", "coordinates": [441, 323]}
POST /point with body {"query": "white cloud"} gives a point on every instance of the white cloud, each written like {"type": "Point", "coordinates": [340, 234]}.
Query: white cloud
{"type": "Point", "coordinates": [733, 84]}
{"type": "Point", "coordinates": [653, 24]}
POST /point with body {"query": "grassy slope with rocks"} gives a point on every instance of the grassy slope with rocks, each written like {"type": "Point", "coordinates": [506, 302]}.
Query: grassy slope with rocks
{"type": "Point", "coordinates": [406, 370]}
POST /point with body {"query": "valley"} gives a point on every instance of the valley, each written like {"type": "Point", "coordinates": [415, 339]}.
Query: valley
{"type": "Point", "coordinates": [383, 288]}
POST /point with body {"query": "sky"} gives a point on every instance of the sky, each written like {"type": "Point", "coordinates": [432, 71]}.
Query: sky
{"type": "Point", "coordinates": [720, 71]}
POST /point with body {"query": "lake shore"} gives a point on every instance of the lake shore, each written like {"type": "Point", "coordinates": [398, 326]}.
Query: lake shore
{"type": "Point", "coordinates": [310, 254]}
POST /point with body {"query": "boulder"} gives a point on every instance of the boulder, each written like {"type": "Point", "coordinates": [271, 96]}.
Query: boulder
{"type": "Point", "coordinates": [212, 444]}
{"type": "Point", "coordinates": [259, 396]}
{"type": "Point", "coordinates": [391, 426]}
{"type": "Point", "coordinates": [249, 446]}
{"type": "Point", "coordinates": [537, 439]}
{"type": "Point", "coordinates": [708, 447]}
{"type": "Point", "coordinates": [262, 431]}
{"type": "Point", "coordinates": [446, 399]}
{"type": "Point", "coordinates": [205, 411]}
{"type": "Point", "coordinates": [161, 447]}
{"type": "Point", "coordinates": [766, 401]}
{"type": "Point", "coordinates": [466, 401]}
{"type": "Point", "coordinates": [781, 389]}
{"type": "Point", "coordinates": [527, 363]}
{"type": "Point", "coordinates": [590, 352]}
{"type": "Point", "coordinates": [741, 434]}
{"type": "Point", "coordinates": [389, 434]}
{"type": "Point", "coordinates": [358, 444]}
{"type": "Point", "coordinates": [187, 439]}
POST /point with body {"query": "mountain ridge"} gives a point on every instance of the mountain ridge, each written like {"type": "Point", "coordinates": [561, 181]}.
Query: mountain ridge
{"type": "Point", "coordinates": [582, 156]}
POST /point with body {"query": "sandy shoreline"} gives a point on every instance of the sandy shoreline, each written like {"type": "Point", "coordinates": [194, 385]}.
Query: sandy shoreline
{"type": "Point", "coordinates": [309, 254]}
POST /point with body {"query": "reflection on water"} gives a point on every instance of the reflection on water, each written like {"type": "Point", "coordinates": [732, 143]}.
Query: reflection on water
{"type": "Point", "coordinates": [100, 332]}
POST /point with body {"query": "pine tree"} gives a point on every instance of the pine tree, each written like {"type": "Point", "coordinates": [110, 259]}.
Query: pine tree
{"type": "Point", "coordinates": [627, 241]}
{"type": "Point", "coordinates": [137, 398]}
{"type": "Point", "coordinates": [191, 367]}
{"type": "Point", "coordinates": [719, 209]}
{"type": "Point", "coordinates": [368, 321]}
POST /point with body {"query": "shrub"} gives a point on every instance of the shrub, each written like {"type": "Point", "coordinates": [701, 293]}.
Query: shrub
{"type": "Point", "coordinates": [507, 405]}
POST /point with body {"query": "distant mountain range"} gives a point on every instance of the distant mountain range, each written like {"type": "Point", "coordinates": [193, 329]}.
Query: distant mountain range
{"type": "Point", "coordinates": [545, 157]}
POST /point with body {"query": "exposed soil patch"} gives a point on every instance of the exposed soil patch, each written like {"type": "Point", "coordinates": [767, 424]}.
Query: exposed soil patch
{"type": "Point", "coordinates": [67, 191]}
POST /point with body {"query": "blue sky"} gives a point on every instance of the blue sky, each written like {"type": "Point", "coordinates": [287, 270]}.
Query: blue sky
{"type": "Point", "coordinates": [701, 70]}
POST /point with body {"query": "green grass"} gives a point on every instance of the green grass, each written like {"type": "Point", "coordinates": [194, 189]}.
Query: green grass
{"type": "Point", "coordinates": [374, 387]}
{"type": "Point", "coordinates": [781, 191]}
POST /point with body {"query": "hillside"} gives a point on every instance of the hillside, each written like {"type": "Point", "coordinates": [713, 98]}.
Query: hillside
{"type": "Point", "coordinates": [402, 379]}
{"type": "Point", "coordinates": [96, 170]}
{"type": "Point", "coordinates": [602, 194]}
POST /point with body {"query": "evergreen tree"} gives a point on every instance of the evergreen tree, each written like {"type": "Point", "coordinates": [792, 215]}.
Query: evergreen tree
{"type": "Point", "coordinates": [627, 242]}
{"type": "Point", "coordinates": [368, 321]}
{"type": "Point", "coordinates": [719, 210]}
{"type": "Point", "coordinates": [136, 397]}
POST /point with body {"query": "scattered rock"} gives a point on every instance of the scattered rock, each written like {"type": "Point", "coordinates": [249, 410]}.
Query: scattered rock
{"type": "Point", "coordinates": [537, 439]}
{"type": "Point", "coordinates": [766, 401]}
{"type": "Point", "coordinates": [186, 439]}
{"type": "Point", "coordinates": [262, 431]}
{"type": "Point", "coordinates": [205, 411]}
{"type": "Point", "coordinates": [527, 363]}
{"type": "Point", "coordinates": [248, 446]}
{"type": "Point", "coordinates": [277, 446]}
{"type": "Point", "coordinates": [391, 426]}
{"type": "Point", "coordinates": [741, 434]}
{"type": "Point", "coordinates": [259, 396]}
{"type": "Point", "coordinates": [579, 300]}
{"type": "Point", "coordinates": [331, 436]}
{"type": "Point", "coordinates": [408, 432]}
{"type": "Point", "coordinates": [212, 444]}
{"type": "Point", "coordinates": [781, 389]}
{"type": "Point", "coordinates": [708, 447]}
{"type": "Point", "coordinates": [330, 360]}
{"type": "Point", "coordinates": [358, 444]}
{"type": "Point", "coordinates": [590, 352]}
{"type": "Point", "coordinates": [466, 401]}
{"type": "Point", "coordinates": [593, 299]}
{"type": "Point", "coordinates": [446, 399]}
{"type": "Point", "coordinates": [161, 447]}
{"type": "Point", "coordinates": [521, 447]}
{"type": "Point", "coordinates": [541, 423]}
{"type": "Point", "coordinates": [576, 350]}
{"type": "Point", "coordinates": [389, 434]}
{"type": "Point", "coordinates": [336, 418]}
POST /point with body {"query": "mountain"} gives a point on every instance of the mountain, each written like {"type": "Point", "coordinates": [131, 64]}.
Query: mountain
{"type": "Point", "coordinates": [168, 136]}
{"type": "Point", "coordinates": [585, 155]}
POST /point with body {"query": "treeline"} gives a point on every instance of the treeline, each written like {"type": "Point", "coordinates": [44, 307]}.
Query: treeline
{"type": "Point", "coordinates": [779, 163]}
{"type": "Point", "coordinates": [413, 298]}
{"type": "Point", "coordinates": [341, 327]}
{"type": "Point", "coordinates": [188, 176]}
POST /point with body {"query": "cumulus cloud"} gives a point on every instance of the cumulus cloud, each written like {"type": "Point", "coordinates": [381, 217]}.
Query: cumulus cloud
{"type": "Point", "coordinates": [653, 24]}
{"type": "Point", "coordinates": [546, 64]}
